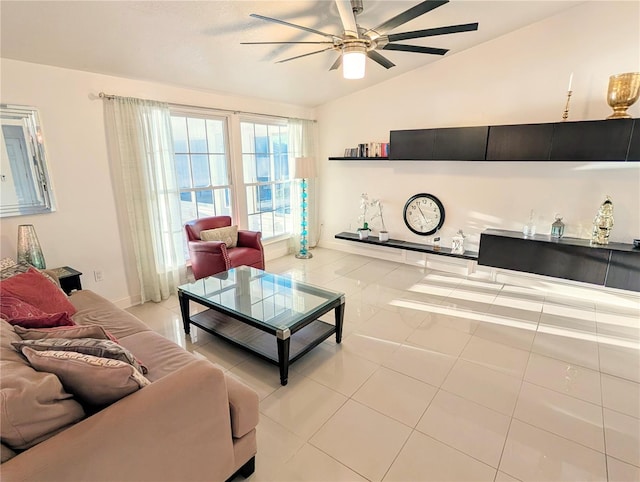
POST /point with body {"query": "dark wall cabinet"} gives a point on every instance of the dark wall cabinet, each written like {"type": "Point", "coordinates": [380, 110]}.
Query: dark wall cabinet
{"type": "Point", "coordinates": [412, 145]}
{"type": "Point", "coordinates": [616, 265]}
{"type": "Point", "coordinates": [605, 140]}
{"type": "Point", "coordinates": [591, 140]}
{"type": "Point", "coordinates": [447, 144]}
{"type": "Point", "coordinates": [527, 142]}
{"type": "Point", "coordinates": [634, 146]}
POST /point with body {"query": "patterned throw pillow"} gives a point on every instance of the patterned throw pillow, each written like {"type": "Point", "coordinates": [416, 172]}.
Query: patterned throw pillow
{"type": "Point", "coordinates": [6, 263]}
{"type": "Point", "coordinates": [88, 346]}
{"type": "Point", "coordinates": [34, 288]}
{"type": "Point", "coordinates": [69, 332]}
{"type": "Point", "coordinates": [10, 270]}
{"type": "Point", "coordinates": [228, 235]}
{"type": "Point", "coordinates": [21, 313]}
{"type": "Point", "coordinates": [94, 380]}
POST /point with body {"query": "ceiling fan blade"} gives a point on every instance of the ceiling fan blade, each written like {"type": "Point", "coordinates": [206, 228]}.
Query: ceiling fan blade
{"type": "Point", "coordinates": [282, 43]}
{"type": "Point", "coordinates": [405, 16]}
{"type": "Point", "coordinates": [416, 49]}
{"type": "Point", "coordinates": [303, 55]}
{"type": "Point", "coordinates": [347, 17]}
{"type": "Point", "coordinates": [337, 63]}
{"type": "Point", "coordinates": [431, 32]}
{"type": "Point", "coordinates": [299, 27]}
{"type": "Point", "coordinates": [376, 57]}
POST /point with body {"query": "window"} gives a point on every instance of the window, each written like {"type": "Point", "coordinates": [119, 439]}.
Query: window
{"type": "Point", "coordinates": [202, 166]}
{"type": "Point", "coordinates": [267, 180]}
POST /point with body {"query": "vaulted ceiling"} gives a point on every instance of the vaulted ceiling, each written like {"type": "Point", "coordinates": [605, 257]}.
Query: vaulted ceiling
{"type": "Point", "coordinates": [197, 44]}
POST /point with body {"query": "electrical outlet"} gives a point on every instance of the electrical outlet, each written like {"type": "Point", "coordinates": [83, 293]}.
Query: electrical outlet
{"type": "Point", "coordinates": [97, 274]}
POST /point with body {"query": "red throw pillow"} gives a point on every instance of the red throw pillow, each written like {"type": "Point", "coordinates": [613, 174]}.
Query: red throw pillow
{"type": "Point", "coordinates": [18, 312]}
{"type": "Point", "coordinates": [35, 289]}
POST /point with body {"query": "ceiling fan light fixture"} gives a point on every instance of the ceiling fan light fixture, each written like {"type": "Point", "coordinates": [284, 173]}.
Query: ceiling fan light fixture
{"type": "Point", "coordinates": [354, 59]}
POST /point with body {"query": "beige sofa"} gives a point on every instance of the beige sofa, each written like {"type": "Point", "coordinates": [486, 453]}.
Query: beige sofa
{"type": "Point", "coordinates": [192, 422]}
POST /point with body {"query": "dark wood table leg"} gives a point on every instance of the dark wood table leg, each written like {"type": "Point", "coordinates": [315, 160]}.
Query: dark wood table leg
{"type": "Point", "coordinates": [184, 309]}
{"type": "Point", "coordinates": [283, 358]}
{"type": "Point", "coordinates": [339, 321]}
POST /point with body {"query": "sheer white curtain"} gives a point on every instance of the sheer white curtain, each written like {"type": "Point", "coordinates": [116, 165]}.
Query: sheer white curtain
{"type": "Point", "coordinates": [146, 188]}
{"type": "Point", "coordinates": [302, 143]}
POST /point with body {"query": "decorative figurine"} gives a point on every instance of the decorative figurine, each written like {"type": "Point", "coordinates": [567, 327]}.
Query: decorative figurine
{"type": "Point", "coordinates": [457, 243]}
{"type": "Point", "coordinates": [603, 223]}
{"type": "Point", "coordinates": [557, 228]}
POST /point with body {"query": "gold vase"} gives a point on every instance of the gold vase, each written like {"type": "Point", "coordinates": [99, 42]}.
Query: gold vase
{"type": "Point", "coordinates": [623, 92]}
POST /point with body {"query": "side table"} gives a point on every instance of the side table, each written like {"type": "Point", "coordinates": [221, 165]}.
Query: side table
{"type": "Point", "coordinates": [69, 279]}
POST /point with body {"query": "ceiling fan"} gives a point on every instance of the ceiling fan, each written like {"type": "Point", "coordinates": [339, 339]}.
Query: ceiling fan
{"type": "Point", "coordinates": [356, 42]}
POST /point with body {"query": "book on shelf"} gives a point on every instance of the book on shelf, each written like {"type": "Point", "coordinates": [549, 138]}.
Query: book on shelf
{"type": "Point", "coordinates": [368, 149]}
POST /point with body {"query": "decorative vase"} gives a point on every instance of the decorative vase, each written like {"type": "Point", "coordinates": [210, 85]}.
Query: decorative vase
{"type": "Point", "coordinates": [29, 250]}
{"type": "Point", "coordinates": [603, 223]}
{"type": "Point", "coordinates": [383, 236]}
{"type": "Point", "coordinates": [624, 90]}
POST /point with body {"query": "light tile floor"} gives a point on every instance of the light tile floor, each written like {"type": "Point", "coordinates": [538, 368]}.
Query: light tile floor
{"type": "Point", "coordinates": [442, 377]}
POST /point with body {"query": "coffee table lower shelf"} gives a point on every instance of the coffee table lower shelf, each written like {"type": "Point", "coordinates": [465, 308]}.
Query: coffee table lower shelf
{"type": "Point", "coordinates": [259, 342]}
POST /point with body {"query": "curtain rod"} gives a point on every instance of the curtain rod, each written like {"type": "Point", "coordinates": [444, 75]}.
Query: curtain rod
{"type": "Point", "coordinates": [102, 95]}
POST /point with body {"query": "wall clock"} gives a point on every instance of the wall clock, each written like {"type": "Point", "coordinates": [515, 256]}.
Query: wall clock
{"type": "Point", "coordinates": [423, 214]}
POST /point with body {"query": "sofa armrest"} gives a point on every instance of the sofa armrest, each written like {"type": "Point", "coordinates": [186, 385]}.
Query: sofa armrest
{"type": "Point", "coordinates": [250, 239]}
{"type": "Point", "coordinates": [177, 428]}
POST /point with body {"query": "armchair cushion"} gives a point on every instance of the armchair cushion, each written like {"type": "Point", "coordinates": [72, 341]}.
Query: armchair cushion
{"type": "Point", "coordinates": [228, 235]}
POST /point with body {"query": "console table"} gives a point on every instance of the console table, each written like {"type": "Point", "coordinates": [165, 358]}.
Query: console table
{"type": "Point", "coordinates": [615, 265]}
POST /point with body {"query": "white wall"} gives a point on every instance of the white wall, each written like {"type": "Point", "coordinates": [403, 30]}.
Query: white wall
{"type": "Point", "coordinates": [519, 78]}
{"type": "Point", "coordinates": [83, 232]}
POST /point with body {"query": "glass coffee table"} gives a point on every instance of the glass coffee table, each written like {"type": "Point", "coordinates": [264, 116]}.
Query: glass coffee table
{"type": "Point", "coordinates": [272, 316]}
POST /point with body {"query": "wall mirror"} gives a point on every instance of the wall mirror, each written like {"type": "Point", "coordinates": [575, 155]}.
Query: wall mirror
{"type": "Point", "coordinates": [24, 182]}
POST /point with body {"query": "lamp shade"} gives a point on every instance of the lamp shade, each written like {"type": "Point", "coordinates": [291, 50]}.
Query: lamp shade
{"type": "Point", "coordinates": [354, 58]}
{"type": "Point", "coordinates": [305, 168]}
{"type": "Point", "coordinates": [29, 250]}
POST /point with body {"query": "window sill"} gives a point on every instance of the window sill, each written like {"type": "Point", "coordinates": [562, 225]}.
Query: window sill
{"type": "Point", "coordinates": [277, 239]}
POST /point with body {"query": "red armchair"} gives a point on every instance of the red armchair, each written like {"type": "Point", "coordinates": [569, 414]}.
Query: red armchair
{"type": "Point", "coordinates": [211, 257]}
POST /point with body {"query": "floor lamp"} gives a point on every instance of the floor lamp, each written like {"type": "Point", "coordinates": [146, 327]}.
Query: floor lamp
{"type": "Point", "coordinates": [305, 169]}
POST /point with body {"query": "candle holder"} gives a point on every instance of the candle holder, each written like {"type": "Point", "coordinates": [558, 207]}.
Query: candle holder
{"type": "Point", "coordinates": [565, 114]}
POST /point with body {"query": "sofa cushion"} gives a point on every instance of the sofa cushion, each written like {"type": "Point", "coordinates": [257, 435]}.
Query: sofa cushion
{"type": "Point", "coordinates": [18, 312]}
{"type": "Point", "coordinates": [228, 235]}
{"type": "Point", "coordinates": [6, 453]}
{"type": "Point", "coordinates": [33, 405]}
{"type": "Point", "coordinates": [69, 332]}
{"type": "Point", "coordinates": [93, 309]}
{"type": "Point", "coordinates": [94, 380]}
{"type": "Point", "coordinates": [88, 346]}
{"type": "Point", "coordinates": [161, 356]}
{"type": "Point", "coordinates": [37, 290]}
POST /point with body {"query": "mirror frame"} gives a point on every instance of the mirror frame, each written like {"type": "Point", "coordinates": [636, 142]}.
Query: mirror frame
{"type": "Point", "coordinates": [36, 172]}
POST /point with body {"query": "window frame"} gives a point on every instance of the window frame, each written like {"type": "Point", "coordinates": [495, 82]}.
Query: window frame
{"type": "Point", "coordinates": [266, 121]}
{"type": "Point", "coordinates": [231, 185]}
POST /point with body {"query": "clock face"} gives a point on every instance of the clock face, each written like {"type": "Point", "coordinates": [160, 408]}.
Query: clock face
{"type": "Point", "coordinates": [424, 214]}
